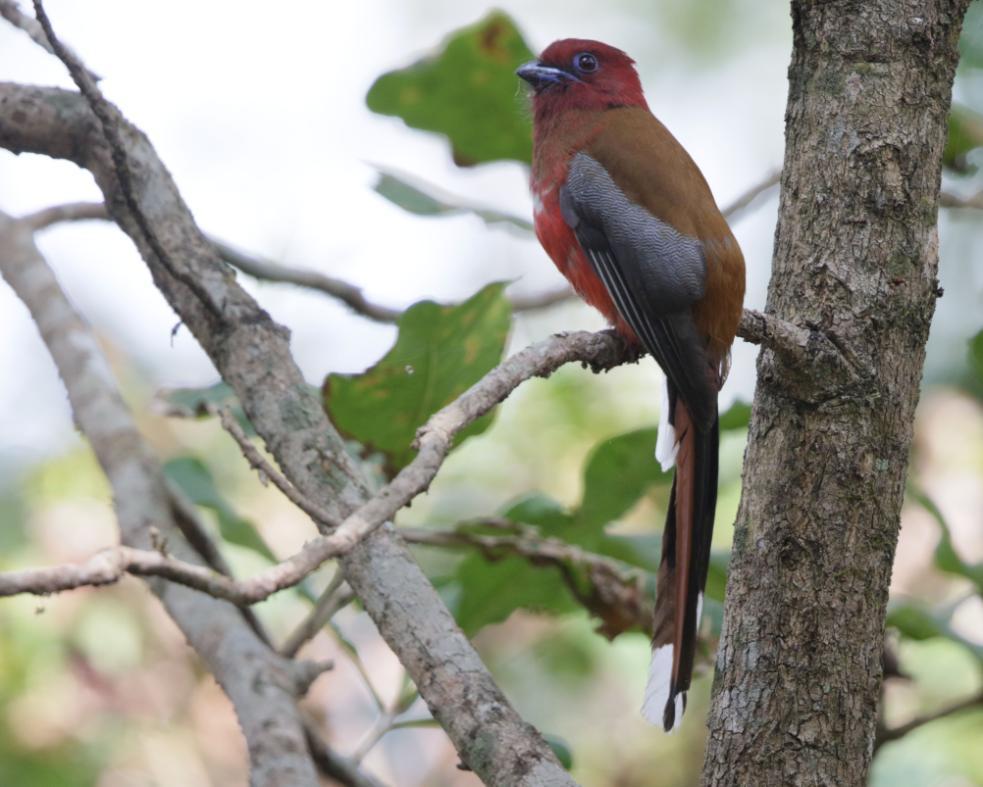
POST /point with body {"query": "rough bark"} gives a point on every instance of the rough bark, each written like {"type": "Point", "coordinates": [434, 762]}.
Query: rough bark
{"type": "Point", "coordinates": [856, 257]}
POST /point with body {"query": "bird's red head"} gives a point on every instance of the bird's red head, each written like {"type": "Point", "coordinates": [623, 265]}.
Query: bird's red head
{"type": "Point", "coordinates": [577, 73]}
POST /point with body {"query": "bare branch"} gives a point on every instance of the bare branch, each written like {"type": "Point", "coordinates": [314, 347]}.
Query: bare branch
{"type": "Point", "coordinates": [342, 769]}
{"type": "Point", "coordinates": [894, 733]}
{"type": "Point", "coordinates": [260, 683]}
{"type": "Point", "coordinates": [600, 350]}
{"type": "Point", "coordinates": [616, 595]}
{"type": "Point", "coordinates": [347, 293]}
{"type": "Point", "coordinates": [109, 566]}
{"type": "Point", "coordinates": [744, 200]}
{"type": "Point", "coordinates": [335, 596]}
{"type": "Point", "coordinates": [252, 354]}
{"type": "Point", "coordinates": [110, 123]}
{"type": "Point", "coordinates": [250, 264]}
{"type": "Point", "coordinates": [10, 10]}
{"type": "Point", "coordinates": [947, 200]}
{"type": "Point", "coordinates": [268, 472]}
{"type": "Point", "coordinates": [70, 211]}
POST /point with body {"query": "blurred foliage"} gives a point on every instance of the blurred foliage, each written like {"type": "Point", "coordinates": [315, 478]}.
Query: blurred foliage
{"type": "Point", "coordinates": [618, 473]}
{"type": "Point", "coordinates": [193, 477]}
{"type": "Point", "coordinates": [561, 749]}
{"type": "Point", "coordinates": [976, 355]}
{"type": "Point", "coordinates": [425, 200]}
{"type": "Point", "coordinates": [971, 40]}
{"type": "Point", "coordinates": [202, 403]}
{"type": "Point", "coordinates": [945, 556]}
{"type": "Point", "coordinates": [465, 91]}
{"type": "Point", "coordinates": [965, 136]}
{"type": "Point", "coordinates": [440, 352]}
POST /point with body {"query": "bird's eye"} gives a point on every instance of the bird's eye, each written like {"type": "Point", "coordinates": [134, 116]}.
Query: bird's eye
{"type": "Point", "coordinates": [585, 62]}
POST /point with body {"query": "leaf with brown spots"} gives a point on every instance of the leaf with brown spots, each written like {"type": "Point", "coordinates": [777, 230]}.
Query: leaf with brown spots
{"type": "Point", "coordinates": [468, 91]}
{"type": "Point", "coordinates": [439, 353]}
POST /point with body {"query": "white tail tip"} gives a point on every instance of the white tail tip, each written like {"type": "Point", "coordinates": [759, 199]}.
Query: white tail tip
{"type": "Point", "coordinates": [665, 444]}
{"type": "Point", "coordinates": [657, 689]}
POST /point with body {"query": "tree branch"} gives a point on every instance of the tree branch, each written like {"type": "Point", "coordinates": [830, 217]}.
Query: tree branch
{"type": "Point", "coordinates": [335, 596]}
{"type": "Point", "coordinates": [617, 594]}
{"type": "Point", "coordinates": [947, 200]}
{"type": "Point", "coordinates": [259, 683]}
{"type": "Point", "coordinates": [799, 345]}
{"type": "Point", "coordinates": [69, 211]}
{"type": "Point", "coordinates": [744, 200]}
{"type": "Point", "coordinates": [600, 350]}
{"type": "Point", "coordinates": [10, 10]}
{"type": "Point", "coordinates": [344, 770]}
{"type": "Point", "coordinates": [894, 733]}
{"type": "Point", "coordinates": [269, 473]}
{"type": "Point", "coordinates": [253, 356]}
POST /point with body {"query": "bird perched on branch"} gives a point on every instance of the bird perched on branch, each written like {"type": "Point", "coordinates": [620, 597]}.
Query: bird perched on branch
{"type": "Point", "coordinates": [629, 219]}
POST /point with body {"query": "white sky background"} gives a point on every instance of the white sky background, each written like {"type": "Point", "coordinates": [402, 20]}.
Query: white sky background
{"type": "Point", "coordinates": [258, 111]}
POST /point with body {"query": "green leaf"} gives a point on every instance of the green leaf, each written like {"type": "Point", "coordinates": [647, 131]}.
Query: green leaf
{"type": "Point", "coordinates": [914, 622]}
{"type": "Point", "coordinates": [946, 557]}
{"type": "Point", "coordinates": [561, 749]}
{"type": "Point", "coordinates": [195, 480]}
{"type": "Point", "coordinates": [491, 590]}
{"type": "Point", "coordinates": [917, 623]}
{"type": "Point", "coordinates": [965, 135]}
{"type": "Point", "coordinates": [200, 402]}
{"type": "Point", "coordinates": [717, 575]}
{"type": "Point", "coordinates": [976, 354]}
{"type": "Point", "coordinates": [467, 91]}
{"type": "Point", "coordinates": [738, 416]}
{"type": "Point", "coordinates": [619, 471]}
{"type": "Point", "coordinates": [427, 200]}
{"type": "Point", "coordinates": [439, 353]}
{"type": "Point", "coordinates": [536, 508]}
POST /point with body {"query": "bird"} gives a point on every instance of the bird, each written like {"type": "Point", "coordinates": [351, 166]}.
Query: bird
{"type": "Point", "coordinates": [628, 218]}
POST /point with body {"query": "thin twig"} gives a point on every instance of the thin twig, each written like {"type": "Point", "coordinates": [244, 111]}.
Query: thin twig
{"type": "Point", "coordinates": [348, 647]}
{"type": "Point", "coordinates": [347, 293]}
{"type": "Point", "coordinates": [109, 121]}
{"type": "Point", "coordinates": [70, 211]}
{"type": "Point", "coordinates": [387, 718]}
{"type": "Point", "coordinates": [267, 472]}
{"type": "Point", "coordinates": [10, 11]}
{"type": "Point", "coordinates": [335, 596]}
{"type": "Point", "coordinates": [189, 522]}
{"type": "Point", "coordinates": [615, 593]}
{"type": "Point", "coordinates": [601, 350]}
{"type": "Point", "coordinates": [260, 684]}
{"type": "Point", "coordinates": [344, 770]}
{"type": "Point", "coordinates": [251, 264]}
{"type": "Point", "coordinates": [947, 200]}
{"type": "Point", "coordinates": [894, 733]}
{"type": "Point", "coordinates": [744, 200]}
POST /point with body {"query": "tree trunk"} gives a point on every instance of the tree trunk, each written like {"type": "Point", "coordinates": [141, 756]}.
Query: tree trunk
{"type": "Point", "coordinates": [856, 255]}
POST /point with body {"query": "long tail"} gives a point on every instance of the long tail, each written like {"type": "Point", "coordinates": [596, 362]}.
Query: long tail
{"type": "Point", "coordinates": [683, 570]}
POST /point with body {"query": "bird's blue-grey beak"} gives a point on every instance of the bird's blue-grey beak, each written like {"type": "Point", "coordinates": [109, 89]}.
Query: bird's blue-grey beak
{"type": "Point", "coordinates": [539, 75]}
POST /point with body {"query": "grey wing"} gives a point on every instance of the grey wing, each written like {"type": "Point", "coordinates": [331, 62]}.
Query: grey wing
{"type": "Point", "coordinates": [653, 273]}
